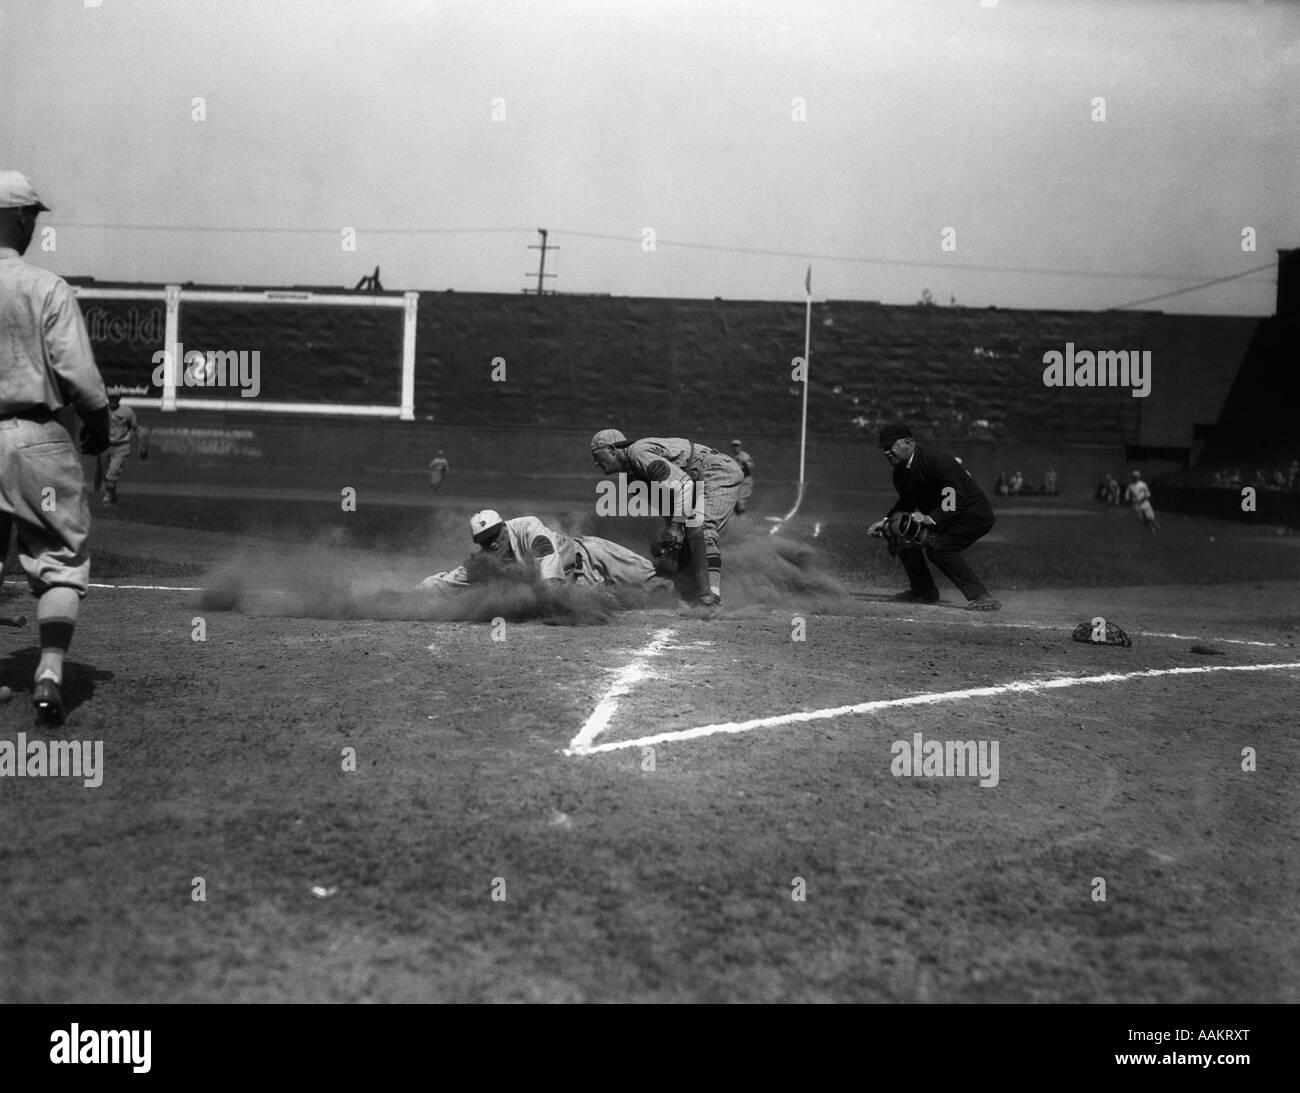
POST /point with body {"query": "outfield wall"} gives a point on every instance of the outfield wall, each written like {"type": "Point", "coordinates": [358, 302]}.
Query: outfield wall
{"type": "Point", "coordinates": [970, 379]}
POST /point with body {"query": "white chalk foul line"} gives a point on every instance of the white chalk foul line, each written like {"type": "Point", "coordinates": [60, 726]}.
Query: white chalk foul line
{"type": "Point", "coordinates": [624, 678]}
{"type": "Point", "coordinates": [912, 700]}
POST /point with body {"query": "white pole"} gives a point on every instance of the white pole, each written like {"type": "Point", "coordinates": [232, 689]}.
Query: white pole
{"type": "Point", "coordinates": [807, 364]}
{"type": "Point", "coordinates": [803, 427]}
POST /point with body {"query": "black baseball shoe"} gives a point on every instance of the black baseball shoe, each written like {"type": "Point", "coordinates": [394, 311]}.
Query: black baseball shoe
{"type": "Point", "coordinates": [709, 599]}
{"type": "Point", "coordinates": [47, 701]}
{"type": "Point", "coordinates": [984, 603]}
{"type": "Point", "coordinates": [928, 595]}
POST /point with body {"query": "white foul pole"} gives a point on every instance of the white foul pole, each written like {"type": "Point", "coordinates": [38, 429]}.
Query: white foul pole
{"type": "Point", "coordinates": [803, 428]}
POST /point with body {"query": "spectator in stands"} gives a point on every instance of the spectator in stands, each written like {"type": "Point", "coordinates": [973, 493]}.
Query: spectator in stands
{"type": "Point", "coordinates": [1049, 482]}
{"type": "Point", "coordinates": [1017, 482]}
{"type": "Point", "coordinates": [1001, 487]}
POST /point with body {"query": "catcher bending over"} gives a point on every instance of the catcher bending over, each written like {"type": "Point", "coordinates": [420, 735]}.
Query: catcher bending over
{"type": "Point", "coordinates": [940, 512]}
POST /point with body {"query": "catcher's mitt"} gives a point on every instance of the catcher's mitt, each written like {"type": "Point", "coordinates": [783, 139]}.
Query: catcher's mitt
{"type": "Point", "coordinates": [1101, 632]}
{"type": "Point", "coordinates": [666, 551]}
{"type": "Point", "coordinates": [903, 531]}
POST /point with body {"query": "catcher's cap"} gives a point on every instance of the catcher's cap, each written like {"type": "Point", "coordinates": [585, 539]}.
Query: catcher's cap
{"type": "Point", "coordinates": [735, 443]}
{"type": "Point", "coordinates": [17, 192]}
{"type": "Point", "coordinates": [485, 525]}
{"type": "Point", "coordinates": [608, 438]}
{"type": "Point", "coordinates": [893, 433]}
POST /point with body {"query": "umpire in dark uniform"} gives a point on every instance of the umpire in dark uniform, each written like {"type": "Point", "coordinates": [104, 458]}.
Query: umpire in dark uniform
{"type": "Point", "coordinates": [939, 491]}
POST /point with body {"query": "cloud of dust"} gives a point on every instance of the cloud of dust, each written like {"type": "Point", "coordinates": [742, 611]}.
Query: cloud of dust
{"type": "Point", "coordinates": [322, 581]}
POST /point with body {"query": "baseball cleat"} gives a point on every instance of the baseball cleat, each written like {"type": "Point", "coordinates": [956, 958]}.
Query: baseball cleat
{"type": "Point", "coordinates": [984, 603]}
{"type": "Point", "coordinates": [930, 595]}
{"type": "Point", "coordinates": [709, 599]}
{"type": "Point", "coordinates": [47, 700]}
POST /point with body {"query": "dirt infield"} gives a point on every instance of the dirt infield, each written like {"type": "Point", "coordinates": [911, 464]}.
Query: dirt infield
{"type": "Point", "coordinates": [641, 804]}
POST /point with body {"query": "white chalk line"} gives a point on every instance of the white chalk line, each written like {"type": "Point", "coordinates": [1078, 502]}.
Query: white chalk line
{"type": "Point", "coordinates": [1017, 686]}
{"type": "Point", "coordinates": [624, 678]}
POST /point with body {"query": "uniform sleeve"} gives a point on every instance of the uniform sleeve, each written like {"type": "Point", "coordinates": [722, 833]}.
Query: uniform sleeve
{"type": "Point", "coordinates": [659, 469]}
{"type": "Point", "coordinates": [70, 357]}
{"type": "Point", "coordinates": [550, 566]}
{"type": "Point", "coordinates": [540, 543]}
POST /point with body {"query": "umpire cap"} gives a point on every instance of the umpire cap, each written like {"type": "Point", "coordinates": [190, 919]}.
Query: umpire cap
{"type": "Point", "coordinates": [893, 433]}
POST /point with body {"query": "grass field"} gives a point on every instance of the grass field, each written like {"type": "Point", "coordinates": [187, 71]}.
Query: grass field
{"type": "Point", "coordinates": [645, 805]}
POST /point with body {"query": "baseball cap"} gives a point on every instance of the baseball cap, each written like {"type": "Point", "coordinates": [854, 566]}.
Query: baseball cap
{"type": "Point", "coordinates": [735, 443]}
{"type": "Point", "coordinates": [891, 433]}
{"type": "Point", "coordinates": [17, 192]}
{"type": "Point", "coordinates": [485, 525]}
{"type": "Point", "coordinates": [608, 438]}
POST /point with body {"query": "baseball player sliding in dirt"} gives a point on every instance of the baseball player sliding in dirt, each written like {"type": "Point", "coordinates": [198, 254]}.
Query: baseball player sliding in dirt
{"type": "Point", "coordinates": [47, 372]}
{"type": "Point", "coordinates": [1138, 494]}
{"type": "Point", "coordinates": [527, 544]}
{"type": "Point", "coordinates": [705, 484]}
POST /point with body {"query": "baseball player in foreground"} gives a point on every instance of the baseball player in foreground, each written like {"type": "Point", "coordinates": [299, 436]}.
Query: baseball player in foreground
{"type": "Point", "coordinates": [1138, 494]}
{"type": "Point", "coordinates": [547, 555]}
{"type": "Point", "coordinates": [704, 483]}
{"type": "Point", "coordinates": [949, 511]}
{"type": "Point", "coordinates": [746, 462]}
{"type": "Point", "coordinates": [122, 426]}
{"type": "Point", "coordinates": [47, 378]}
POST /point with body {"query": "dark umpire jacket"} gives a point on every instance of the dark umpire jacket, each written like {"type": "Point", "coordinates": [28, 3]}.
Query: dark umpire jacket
{"type": "Point", "coordinates": [920, 488]}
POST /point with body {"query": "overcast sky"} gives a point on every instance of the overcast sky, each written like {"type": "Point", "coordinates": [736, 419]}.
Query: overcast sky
{"type": "Point", "coordinates": [921, 115]}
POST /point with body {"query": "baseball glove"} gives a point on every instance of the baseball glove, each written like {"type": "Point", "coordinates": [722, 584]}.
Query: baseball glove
{"type": "Point", "coordinates": [666, 551]}
{"type": "Point", "coordinates": [905, 531]}
{"type": "Point", "coordinates": [1101, 632]}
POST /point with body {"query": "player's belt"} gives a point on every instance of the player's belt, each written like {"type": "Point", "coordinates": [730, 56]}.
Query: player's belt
{"type": "Point", "coordinates": [39, 414]}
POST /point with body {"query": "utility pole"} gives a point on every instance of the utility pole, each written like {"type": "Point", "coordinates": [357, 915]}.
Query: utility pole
{"type": "Point", "coordinates": [541, 265]}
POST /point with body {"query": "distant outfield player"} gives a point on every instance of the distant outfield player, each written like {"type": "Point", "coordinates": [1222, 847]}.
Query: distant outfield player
{"type": "Point", "coordinates": [1138, 494]}
{"type": "Point", "coordinates": [123, 426]}
{"type": "Point", "coordinates": [438, 468]}
{"type": "Point", "coordinates": [746, 462]}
